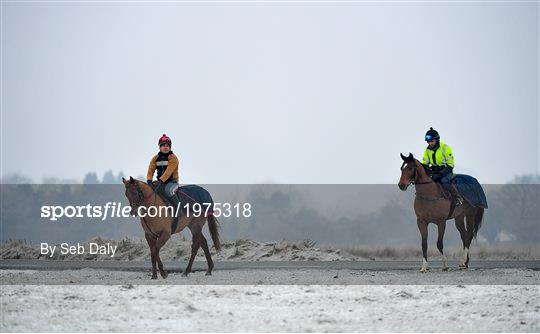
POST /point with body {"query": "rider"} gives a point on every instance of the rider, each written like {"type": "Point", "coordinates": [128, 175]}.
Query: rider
{"type": "Point", "coordinates": [438, 160]}
{"type": "Point", "coordinates": [166, 163]}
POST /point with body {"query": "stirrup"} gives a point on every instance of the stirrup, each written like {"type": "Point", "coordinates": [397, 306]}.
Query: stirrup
{"type": "Point", "coordinates": [459, 201]}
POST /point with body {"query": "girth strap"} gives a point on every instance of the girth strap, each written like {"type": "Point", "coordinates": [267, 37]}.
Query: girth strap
{"type": "Point", "coordinates": [452, 207]}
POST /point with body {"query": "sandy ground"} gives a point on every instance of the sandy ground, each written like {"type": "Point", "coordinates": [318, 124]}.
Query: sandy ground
{"type": "Point", "coordinates": [264, 308]}
{"type": "Point", "coordinates": [276, 277]}
{"type": "Point", "coordinates": [263, 300]}
{"type": "Point", "coordinates": [179, 248]}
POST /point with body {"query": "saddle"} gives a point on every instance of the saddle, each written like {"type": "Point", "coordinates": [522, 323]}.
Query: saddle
{"type": "Point", "coordinates": [446, 194]}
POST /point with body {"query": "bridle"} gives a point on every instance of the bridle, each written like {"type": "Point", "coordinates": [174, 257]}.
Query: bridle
{"type": "Point", "coordinates": [415, 175]}
{"type": "Point", "coordinates": [413, 181]}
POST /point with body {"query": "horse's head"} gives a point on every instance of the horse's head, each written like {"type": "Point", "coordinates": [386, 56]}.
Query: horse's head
{"type": "Point", "coordinates": [133, 193]}
{"type": "Point", "coordinates": [409, 170]}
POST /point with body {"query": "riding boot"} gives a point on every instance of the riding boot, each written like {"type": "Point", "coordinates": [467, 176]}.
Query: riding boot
{"type": "Point", "coordinates": [175, 202]}
{"type": "Point", "coordinates": [455, 194]}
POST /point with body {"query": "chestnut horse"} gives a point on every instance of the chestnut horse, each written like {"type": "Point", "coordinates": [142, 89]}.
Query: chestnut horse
{"type": "Point", "coordinates": [158, 229]}
{"type": "Point", "coordinates": [431, 206]}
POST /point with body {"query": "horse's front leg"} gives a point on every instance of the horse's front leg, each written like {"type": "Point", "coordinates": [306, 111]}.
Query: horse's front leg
{"type": "Point", "coordinates": [151, 243]}
{"type": "Point", "coordinates": [441, 225]}
{"type": "Point", "coordinates": [163, 238]}
{"type": "Point", "coordinates": [423, 227]}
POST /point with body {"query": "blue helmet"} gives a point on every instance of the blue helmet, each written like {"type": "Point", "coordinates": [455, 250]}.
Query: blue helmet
{"type": "Point", "coordinates": [432, 134]}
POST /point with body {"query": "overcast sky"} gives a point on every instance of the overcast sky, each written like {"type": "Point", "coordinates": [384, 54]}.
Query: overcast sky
{"type": "Point", "coordinates": [261, 92]}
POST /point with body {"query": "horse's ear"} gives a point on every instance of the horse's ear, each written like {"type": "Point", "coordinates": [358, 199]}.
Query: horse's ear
{"type": "Point", "coordinates": [403, 157]}
{"type": "Point", "coordinates": [410, 157]}
{"type": "Point", "coordinates": [131, 179]}
{"type": "Point", "coordinates": [124, 180]}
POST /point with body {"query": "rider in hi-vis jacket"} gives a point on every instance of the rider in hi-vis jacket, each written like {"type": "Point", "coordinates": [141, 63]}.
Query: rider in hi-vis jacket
{"type": "Point", "coordinates": [438, 161]}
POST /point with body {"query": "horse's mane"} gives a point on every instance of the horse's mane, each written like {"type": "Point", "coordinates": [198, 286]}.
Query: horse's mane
{"type": "Point", "coordinates": [420, 166]}
{"type": "Point", "coordinates": [144, 184]}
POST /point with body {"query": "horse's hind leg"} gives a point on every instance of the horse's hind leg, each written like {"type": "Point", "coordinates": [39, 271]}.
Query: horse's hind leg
{"type": "Point", "coordinates": [423, 227]}
{"type": "Point", "coordinates": [441, 225]}
{"type": "Point", "coordinates": [204, 245]}
{"type": "Point", "coordinates": [195, 244]}
{"type": "Point", "coordinates": [460, 225]}
{"type": "Point", "coordinates": [470, 236]}
{"type": "Point", "coordinates": [151, 243]}
{"type": "Point", "coordinates": [163, 237]}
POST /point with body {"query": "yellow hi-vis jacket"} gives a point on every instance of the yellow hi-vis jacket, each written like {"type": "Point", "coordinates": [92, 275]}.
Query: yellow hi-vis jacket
{"type": "Point", "coordinates": [442, 156]}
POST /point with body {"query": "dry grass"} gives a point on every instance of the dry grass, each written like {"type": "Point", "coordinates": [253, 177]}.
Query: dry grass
{"type": "Point", "coordinates": [482, 252]}
{"type": "Point", "coordinates": [250, 250]}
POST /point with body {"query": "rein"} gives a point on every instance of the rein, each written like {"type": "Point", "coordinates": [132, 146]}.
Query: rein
{"type": "Point", "coordinates": [141, 200]}
{"type": "Point", "coordinates": [420, 197]}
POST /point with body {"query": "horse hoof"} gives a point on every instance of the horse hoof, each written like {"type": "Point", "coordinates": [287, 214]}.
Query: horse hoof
{"type": "Point", "coordinates": [424, 270]}
{"type": "Point", "coordinates": [184, 274]}
{"type": "Point", "coordinates": [164, 274]}
{"type": "Point", "coordinates": [445, 269]}
{"type": "Point", "coordinates": [154, 276]}
{"type": "Point", "coordinates": [208, 273]}
{"type": "Point", "coordinates": [462, 267]}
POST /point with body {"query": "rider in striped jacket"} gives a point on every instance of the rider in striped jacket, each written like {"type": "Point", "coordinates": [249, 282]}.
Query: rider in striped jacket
{"type": "Point", "coordinates": [166, 164]}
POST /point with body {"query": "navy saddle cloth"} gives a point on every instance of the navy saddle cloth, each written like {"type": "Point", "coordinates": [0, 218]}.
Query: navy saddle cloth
{"type": "Point", "coordinates": [471, 190]}
{"type": "Point", "coordinates": [191, 194]}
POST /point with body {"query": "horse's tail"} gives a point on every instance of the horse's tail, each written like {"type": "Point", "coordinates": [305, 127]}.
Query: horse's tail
{"type": "Point", "coordinates": [478, 217]}
{"type": "Point", "coordinates": [213, 226]}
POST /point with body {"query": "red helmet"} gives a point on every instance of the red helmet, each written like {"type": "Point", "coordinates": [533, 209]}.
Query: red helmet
{"type": "Point", "coordinates": [165, 140]}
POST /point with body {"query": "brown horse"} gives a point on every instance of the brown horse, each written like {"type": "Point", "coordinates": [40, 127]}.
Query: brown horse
{"type": "Point", "coordinates": [431, 206]}
{"type": "Point", "coordinates": [158, 229]}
